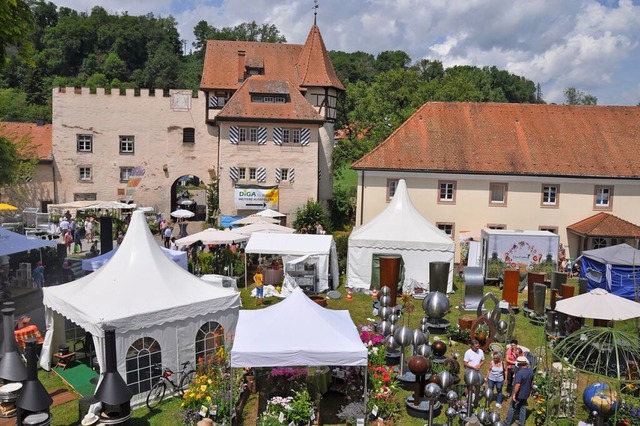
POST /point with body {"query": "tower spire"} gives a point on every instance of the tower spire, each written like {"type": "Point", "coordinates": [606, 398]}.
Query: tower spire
{"type": "Point", "coordinates": [315, 10]}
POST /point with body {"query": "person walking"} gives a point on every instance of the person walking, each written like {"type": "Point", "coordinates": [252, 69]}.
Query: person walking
{"type": "Point", "coordinates": [167, 236]}
{"type": "Point", "coordinates": [88, 229]}
{"type": "Point", "coordinates": [523, 382]}
{"type": "Point", "coordinates": [496, 374]}
{"type": "Point", "coordinates": [473, 360]}
{"type": "Point", "coordinates": [510, 360]}
{"type": "Point", "coordinates": [68, 240]}
{"type": "Point", "coordinates": [38, 274]}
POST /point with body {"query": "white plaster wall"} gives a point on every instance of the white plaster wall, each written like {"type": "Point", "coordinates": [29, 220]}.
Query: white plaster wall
{"type": "Point", "coordinates": [472, 211]}
{"type": "Point", "coordinates": [158, 143]}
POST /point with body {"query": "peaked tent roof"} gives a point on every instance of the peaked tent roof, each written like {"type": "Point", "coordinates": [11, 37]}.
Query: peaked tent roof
{"type": "Point", "coordinates": [529, 139]}
{"type": "Point", "coordinates": [139, 287]}
{"type": "Point", "coordinates": [12, 242]}
{"type": "Point", "coordinates": [296, 332]}
{"type": "Point", "coordinates": [270, 228]}
{"type": "Point", "coordinates": [621, 254]}
{"type": "Point", "coordinates": [400, 225]}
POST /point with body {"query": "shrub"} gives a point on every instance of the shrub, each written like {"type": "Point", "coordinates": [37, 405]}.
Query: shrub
{"type": "Point", "coordinates": [308, 216]}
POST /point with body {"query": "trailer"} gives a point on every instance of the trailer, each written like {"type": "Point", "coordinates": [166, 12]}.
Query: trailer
{"type": "Point", "coordinates": [527, 251]}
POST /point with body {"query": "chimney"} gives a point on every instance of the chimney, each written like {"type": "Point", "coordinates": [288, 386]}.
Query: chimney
{"type": "Point", "coordinates": [112, 389]}
{"type": "Point", "coordinates": [11, 367]}
{"type": "Point", "coordinates": [241, 68]}
{"type": "Point", "coordinates": [34, 397]}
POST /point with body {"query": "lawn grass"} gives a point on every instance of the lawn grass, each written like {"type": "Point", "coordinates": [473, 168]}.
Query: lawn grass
{"type": "Point", "coordinates": [360, 308]}
{"type": "Point", "coordinates": [347, 178]}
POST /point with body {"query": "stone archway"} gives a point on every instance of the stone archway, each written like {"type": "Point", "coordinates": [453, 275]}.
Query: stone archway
{"type": "Point", "coordinates": [189, 192]}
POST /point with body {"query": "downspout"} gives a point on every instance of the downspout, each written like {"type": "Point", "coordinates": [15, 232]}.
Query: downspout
{"type": "Point", "coordinates": [53, 172]}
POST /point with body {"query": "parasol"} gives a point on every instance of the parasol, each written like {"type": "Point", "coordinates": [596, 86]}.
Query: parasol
{"type": "Point", "coordinates": [213, 236]}
{"type": "Point", "coordinates": [182, 214]}
{"type": "Point", "coordinates": [270, 213]}
{"type": "Point", "coordinates": [255, 219]}
{"type": "Point", "coordinates": [5, 206]}
{"type": "Point", "coordinates": [599, 304]}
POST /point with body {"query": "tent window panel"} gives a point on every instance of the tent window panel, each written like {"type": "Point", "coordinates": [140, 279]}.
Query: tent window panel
{"type": "Point", "coordinates": [209, 339]}
{"type": "Point", "coordinates": [141, 356]}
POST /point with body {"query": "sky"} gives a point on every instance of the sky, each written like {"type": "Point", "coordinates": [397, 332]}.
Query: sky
{"type": "Point", "coordinates": [591, 45]}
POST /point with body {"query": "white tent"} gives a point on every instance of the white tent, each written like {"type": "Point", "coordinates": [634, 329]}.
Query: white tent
{"type": "Point", "coordinates": [94, 263]}
{"type": "Point", "coordinates": [264, 227]}
{"type": "Point", "coordinates": [399, 229]}
{"type": "Point", "coordinates": [143, 294]}
{"type": "Point", "coordinates": [290, 246]}
{"type": "Point", "coordinates": [296, 332]}
{"type": "Point", "coordinates": [212, 236]}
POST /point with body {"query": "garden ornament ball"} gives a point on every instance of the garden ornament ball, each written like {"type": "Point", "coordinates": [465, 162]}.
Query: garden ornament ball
{"type": "Point", "coordinates": [424, 321]}
{"type": "Point", "coordinates": [385, 301]}
{"type": "Point", "coordinates": [418, 338]}
{"type": "Point", "coordinates": [451, 413]}
{"type": "Point", "coordinates": [390, 342]}
{"type": "Point", "coordinates": [419, 365]}
{"type": "Point", "coordinates": [439, 348]}
{"type": "Point", "coordinates": [499, 423]}
{"type": "Point", "coordinates": [473, 378]}
{"type": "Point", "coordinates": [452, 397]}
{"type": "Point", "coordinates": [403, 336]}
{"type": "Point", "coordinates": [393, 318]}
{"type": "Point", "coordinates": [385, 327]}
{"type": "Point", "coordinates": [501, 327]}
{"type": "Point", "coordinates": [385, 312]}
{"type": "Point", "coordinates": [424, 350]}
{"type": "Point", "coordinates": [436, 304]}
{"type": "Point", "coordinates": [483, 417]}
{"type": "Point", "coordinates": [432, 391]}
{"type": "Point", "coordinates": [488, 394]}
{"type": "Point", "coordinates": [494, 417]}
{"type": "Point", "coordinates": [385, 291]}
{"type": "Point", "coordinates": [446, 380]}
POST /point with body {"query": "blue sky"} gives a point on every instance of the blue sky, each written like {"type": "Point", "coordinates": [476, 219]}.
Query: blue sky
{"type": "Point", "coordinates": [591, 45]}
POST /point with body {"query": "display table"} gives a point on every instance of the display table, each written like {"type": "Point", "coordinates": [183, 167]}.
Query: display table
{"type": "Point", "coordinates": [273, 276]}
{"type": "Point", "coordinates": [64, 360]}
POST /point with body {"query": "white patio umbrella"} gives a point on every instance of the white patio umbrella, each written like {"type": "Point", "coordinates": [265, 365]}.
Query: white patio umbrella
{"type": "Point", "coordinates": [599, 304]}
{"type": "Point", "coordinates": [270, 213]}
{"type": "Point", "coordinates": [213, 236]}
{"type": "Point", "coordinates": [264, 227]}
{"type": "Point", "coordinates": [254, 219]}
{"type": "Point", "coordinates": [182, 214]}
{"type": "Point", "coordinates": [113, 205]}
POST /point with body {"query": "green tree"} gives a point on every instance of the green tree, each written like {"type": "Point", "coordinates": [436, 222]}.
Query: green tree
{"type": "Point", "coordinates": [343, 207]}
{"type": "Point", "coordinates": [391, 60]}
{"type": "Point", "coordinates": [17, 159]}
{"type": "Point", "coordinates": [114, 67]}
{"type": "Point", "coordinates": [309, 215]}
{"type": "Point", "coordinates": [16, 26]}
{"type": "Point", "coordinates": [15, 107]}
{"type": "Point", "coordinates": [430, 70]}
{"type": "Point", "coordinates": [247, 31]}
{"type": "Point", "coordinates": [574, 96]}
{"type": "Point", "coordinates": [354, 67]}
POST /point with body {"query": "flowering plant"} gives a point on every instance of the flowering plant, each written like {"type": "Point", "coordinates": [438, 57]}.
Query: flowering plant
{"type": "Point", "coordinates": [628, 414]}
{"type": "Point", "coordinates": [286, 380]}
{"type": "Point", "coordinates": [384, 388]}
{"type": "Point", "coordinates": [283, 410]}
{"type": "Point", "coordinates": [376, 350]}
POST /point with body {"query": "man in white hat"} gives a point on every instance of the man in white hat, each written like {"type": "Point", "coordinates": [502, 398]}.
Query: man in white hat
{"type": "Point", "coordinates": [523, 383]}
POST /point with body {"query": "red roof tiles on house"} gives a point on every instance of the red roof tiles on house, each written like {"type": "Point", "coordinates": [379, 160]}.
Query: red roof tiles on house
{"type": "Point", "coordinates": [40, 137]}
{"type": "Point", "coordinates": [314, 64]}
{"type": "Point", "coordinates": [241, 107]}
{"type": "Point", "coordinates": [530, 139]}
{"type": "Point", "coordinates": [605, 225]}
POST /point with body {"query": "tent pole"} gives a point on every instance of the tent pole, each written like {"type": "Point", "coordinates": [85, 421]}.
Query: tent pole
{"type": "Point", "coordinates": [366, 374]}
{"type": "Point", "coordinates": [245, 270]}
{"type": "Point", "coordinates": [230, 395]}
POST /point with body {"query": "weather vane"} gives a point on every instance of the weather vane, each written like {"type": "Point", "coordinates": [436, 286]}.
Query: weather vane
{"type": "Point", "coordinates": [315, 10]}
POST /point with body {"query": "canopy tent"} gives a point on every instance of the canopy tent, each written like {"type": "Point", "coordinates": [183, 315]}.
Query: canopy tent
{"type": "Point", "coordinates": [615, 269]}
{"type": "Point", "coordinates": [147, 298]}
{"type": "Point", "coordinates": [212, 236]}
{"type": "Point", "coordinates": [270, 213]}
{"type": "Point", "coordinates": [296, 332]}
{"type": "Point", "coordinates": [264, 227]}
{"type": "Point", "coordinates": [320, 246]}
{"type": "Point", "coordinates": [254, 218]}
{"type": "Point", "coordinates": [599, 304]}
{"type": "Point", "coordinates": [94, 263]}
{"type": "Point", "coordinates": [12, 242]}
{"type": "Point", "coordinates": [399, 229]}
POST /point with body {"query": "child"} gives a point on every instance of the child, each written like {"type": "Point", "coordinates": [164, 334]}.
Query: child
{"type": "Point", "coordinates": [258, 278]}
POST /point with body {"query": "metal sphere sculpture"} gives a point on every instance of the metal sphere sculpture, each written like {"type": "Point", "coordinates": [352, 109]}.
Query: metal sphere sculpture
{"type": "Point", "coordinates": [488, 394]}
{"type": "Point", "coordinates": [473, 378]}
{"type": "Point", "coordinates": [385, 301]}
{"type": "Point", "coordinates": [424, 350]}
{"type": "Point", "coordinates": [403, 336]}
{"type": "Point", "coordinates": [419, 365]}
{"type": "Point", "coordinates": [385, 291]}
{"type": "Point", "coordinates": [439, 348]}
{"type": "Point", "coordinates": [483, 417]}
{"type": "Point", "coordinates": [494, 418]}
{"type": "Point", "coordinates": [436, 304]}
{"type": "Point", "coordinates": [385, 312]}
{"type": "Point", "coordinates": [446, 380]}
{"type": "Point", "coordinates": [418, 338]}
{"type": "Point", "coordinates": [390, 343]}
{"type": "Point", "coordinates": [451, 413]}
{"type": "Point", "coordinates": [432, 391]}
{"type": "Point", "coordinates": [385, 327]}
{"type": "Point", "coordinates": [452, 397]}
{"type": "Point", "coordinates": [393, 318]}
{"type": "Point", "coordinates": [501, 327]}
{"type": "Point", "coordinates": [499, 423]}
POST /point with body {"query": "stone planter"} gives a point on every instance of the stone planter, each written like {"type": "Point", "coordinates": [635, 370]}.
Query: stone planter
{"type": "Point", "coordinates": [319, 299]}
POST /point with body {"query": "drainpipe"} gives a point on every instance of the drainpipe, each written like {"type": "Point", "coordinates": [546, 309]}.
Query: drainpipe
{"type": "Point", "coordinates": [55, 184]}
{"type": "Point", "coordinates": [361, 197]}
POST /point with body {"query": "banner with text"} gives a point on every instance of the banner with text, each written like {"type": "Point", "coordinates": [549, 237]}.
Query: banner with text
{"type": "Point", "coordinates": [253, 197]}
{"type": "Point", "coordinates": [135, 177]}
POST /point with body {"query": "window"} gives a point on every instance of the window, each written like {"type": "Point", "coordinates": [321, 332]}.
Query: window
{"type": "Point", "coordinates": [84, 143]}
{"type": "Point", "coordinates": [268, 99]}
{"type": "Point", "coordinates": [85, 197]}
{"type": "Point", "coordinates": [291, 136]}
{"type": "Point", "coordinates": [126, 144]}
{"type": "Point", "coordinates": [188, 135]}
{"type": "Point", "coordinates": [84, 173]}
{"type": "Point", "coordinates": [242, 173]}
{"type": "Point", "coordinates": [125, 172]}
{"type": "Point", "coordinates": [141, 356]}
{"type": "Point", "coordinates": [209, 339]}
{"type": "Point", "coordinates": [447, 193]}
{"type": "Point", "coordinates": [603, 197]}
{"type": "Point", "coordinates": [248, 134]}
{"type": "Point", "coordinates": [392, 184]}
{"type": "Point", "coordinates": [284, 174]}
{"type": "Point", "coordinates": [252, 173]}
{"type": "Point", "coordinates": [447, 228]}
{"type": "Point", "coordinates": [599, 243]}
{"type": "Point", "coordinates": [498, 194]}
{"type": "Point", "coordinates": [550, 195]}
{"type": "Point", "coordinates": [496, 226]}
{"type": "Point", "coordinates": [552, 229]}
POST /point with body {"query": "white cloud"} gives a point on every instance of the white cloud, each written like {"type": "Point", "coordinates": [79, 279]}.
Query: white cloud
{"type": "Point", "coordinates": [591, 45]}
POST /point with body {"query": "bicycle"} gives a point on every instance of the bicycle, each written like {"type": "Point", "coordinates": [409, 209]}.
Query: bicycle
{"type": "Point", "coordinates": [157, 392]}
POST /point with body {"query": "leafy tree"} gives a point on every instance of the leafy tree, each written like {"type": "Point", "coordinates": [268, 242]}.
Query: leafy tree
{"type": "Point", "coordinates": [354, 67]}
{"type": "Point", "coordinates": [17, 159]}
{"type": "Point", "coordinates": [15, 107]}
{"type": "Point", "coordinates": [574, 96]}
{"type": "Point", "coordinates": [343, 207]}
{"type": "Point", "coordinates": [309, 215]}
{"type": "Point", "coordinates": [247, 31]}
{"type": "Point", "coordinates": [16, 26]}
{"type": "Point", "coordinates": [114, 67]}
{"type": "Point", "coordinates": [430, 70]}
{"type": "Point", "coordinates": [391, 60]}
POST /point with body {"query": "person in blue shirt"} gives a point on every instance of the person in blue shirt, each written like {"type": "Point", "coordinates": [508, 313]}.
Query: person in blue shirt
{"type": "Point", "coordinates": [38, 274]}
{"type": "Point", "coordinates": [523, 383]}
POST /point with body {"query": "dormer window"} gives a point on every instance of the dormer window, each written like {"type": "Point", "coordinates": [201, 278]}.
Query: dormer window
{"type": "Point", "coordinates": [269, 99]}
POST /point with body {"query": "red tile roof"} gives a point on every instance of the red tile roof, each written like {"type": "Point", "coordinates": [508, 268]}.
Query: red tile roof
{"type": "Point", "coordinates": [40, 137]}
{"type": "Point", "coordinates": [561, 140]}
{"type": "Point", "coordinates": [240, 106]}
{"type": "Point", "coordinates": [303, 65]}
{"type": "Point", "coordinates": [605, 225]}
